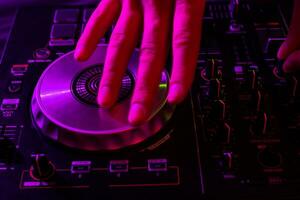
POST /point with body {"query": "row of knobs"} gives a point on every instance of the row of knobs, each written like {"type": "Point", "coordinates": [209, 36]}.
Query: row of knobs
{"type": "Point", "coordinates": [212, 74]}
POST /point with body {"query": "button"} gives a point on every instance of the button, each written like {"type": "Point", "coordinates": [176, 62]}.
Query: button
{"type": "Point", "coordinates": [41, 168]}
{"type": "Point", "coordinates": [239, 73]}
{"type": "Point", "coordinates": [157, 165]}
{"type": "Point", "coordinates": [80, 167]}
{"type": "Point", "coordinates": [9, 106]}
{"type": "Point", "coordinates": [63, 31]}
{"type": "Point", "coordinates": [118, 166]}
{"type": "Point", "coordinates": [66, 16]}
{"type": "Point", "coordinates": [15, 86]}
{"type": "Point", "coordinates": [19, 69]}
{"type": "Point", "coordinates": [42, 53]}
{"type": "Point", "coordinates": [86, 14]}
{"type": "Point", "coordinates": [61, 43]}
{"type": "Point", "coordinates": [63, 35]}
{"type": "Point", "coordinates": [272, 45]}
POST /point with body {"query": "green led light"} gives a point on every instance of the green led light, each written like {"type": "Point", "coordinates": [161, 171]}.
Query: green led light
{"type": "Point", "coordinates": [163, 85]}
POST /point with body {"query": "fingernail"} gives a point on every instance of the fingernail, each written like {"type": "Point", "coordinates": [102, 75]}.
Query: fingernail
{"type": "Point", "coordinates": [176, 93]}
{"type": "Point", "coordinates": [137, 114]}
{"type": "Point", "coordinates": [281, 53]}
{"type": "Point", "coordinates": [104, 97]}
{"type": "Point", "coordinates": [78, 55]}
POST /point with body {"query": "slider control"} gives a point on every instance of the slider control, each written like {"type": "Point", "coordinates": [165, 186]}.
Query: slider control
{"type": "Point", "coordinates": [224, 133]}
{"type": "Point", "coordinates": [212, 69]}
{"type": "Point", "coordinates": [261, 123]}
{"type": "Point", "coordinates": [219, 110]}
{"type": "Point", "coordinates": [256, 101]}
{"type": "Point", "coordinates": [234, 15]}
{"type": "Point", "coordinates": [228, 158]}
{"type": "Point", "coordinates": [215, 88]}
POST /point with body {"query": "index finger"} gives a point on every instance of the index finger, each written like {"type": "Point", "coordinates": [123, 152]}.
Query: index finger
{"type": "Point", "coordinates": [186, 43]}
{"type": "Point", "coordinates": [99, 22]}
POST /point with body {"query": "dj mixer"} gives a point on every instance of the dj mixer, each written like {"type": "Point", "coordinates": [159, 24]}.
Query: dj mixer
{"type": "Point", "coordinates": [237, 134]}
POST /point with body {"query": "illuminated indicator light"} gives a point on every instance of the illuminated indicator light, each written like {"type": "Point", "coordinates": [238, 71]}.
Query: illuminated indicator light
{"type": "Point", "coordinates": [157, 165]}
{"type": "Point", "coordinates": [9, 104]}
{"type": "Point", "coordinates": [238, 69]}
{"type": "Point", "coordinates": [19, 69]}
{"type": "Point", "coordinates": [80, 167]}
{"type": "Point", "coordinates": [163, 85]}
{"type": "Point", "coordinates": [118, 166]}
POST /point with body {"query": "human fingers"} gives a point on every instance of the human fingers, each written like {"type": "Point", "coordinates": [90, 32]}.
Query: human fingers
{"type": "Point", "coordinates": [292, 42]}
{"type": "Point", "coordinates": [157, 17]}
{"type": "Point", "coordinates": [104, 15]}
{"type": "Point", "coordinates": [185, 45]}
{"type": "Point", "coordinates": [122, 43]}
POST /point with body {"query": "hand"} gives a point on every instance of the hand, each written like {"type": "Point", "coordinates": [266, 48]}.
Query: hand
{"type": "Point", "coordinates": [290, 49]}
{"type": "Point", "coordinates": [156, 21]}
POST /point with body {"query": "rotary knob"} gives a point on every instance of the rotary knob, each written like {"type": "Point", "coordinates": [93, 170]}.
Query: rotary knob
{"type": "Point", "coordinates": [41, 168]}
{"type": "Point", "coordinates": [42, 54]}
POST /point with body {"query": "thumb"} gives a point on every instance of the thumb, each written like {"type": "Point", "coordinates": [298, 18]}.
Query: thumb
{"type": "Point", "coordinates": [283, 51]}
{"type": "Point", "coordinates": [290, 45]}
{"type": "Point", "coordinates": [292, 62]}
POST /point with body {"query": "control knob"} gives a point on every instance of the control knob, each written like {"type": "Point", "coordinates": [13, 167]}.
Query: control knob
{"type": "Point", "coordinates": [41, 168]}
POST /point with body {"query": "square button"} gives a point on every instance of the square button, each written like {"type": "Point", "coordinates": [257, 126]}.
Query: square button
{"type": "Point", "coordinates": [63, 31]}
{"type": "Point", "coordinates": [86, 14]}
{"type": "Point", "coordinates": [66, 16]}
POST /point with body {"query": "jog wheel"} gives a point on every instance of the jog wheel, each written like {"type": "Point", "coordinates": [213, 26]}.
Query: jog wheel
{"type": "Point", "coordinates": [64, 105]}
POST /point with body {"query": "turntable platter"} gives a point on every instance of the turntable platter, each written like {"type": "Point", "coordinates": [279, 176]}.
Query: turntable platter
{"type": "Point", "coordinates": [64, 105]}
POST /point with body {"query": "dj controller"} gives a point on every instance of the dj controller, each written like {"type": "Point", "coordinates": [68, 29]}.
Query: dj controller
{"type": "Point", "coordinates": [237, 135]}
